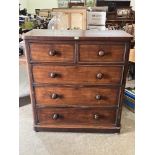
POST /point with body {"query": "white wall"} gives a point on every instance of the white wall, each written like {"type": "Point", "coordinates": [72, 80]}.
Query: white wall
{"type": "Point", "coordinates": [31, 5]}
{"type": "Point", "coordinates": [41, 4]}
{"type": "Point", "coordinates": [24, 4]}
{"type": "Point", "coordinates": [132, 3]}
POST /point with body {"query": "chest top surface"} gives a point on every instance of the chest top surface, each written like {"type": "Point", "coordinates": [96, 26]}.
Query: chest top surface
{"type": "Point", "coordinates": [77, 35]}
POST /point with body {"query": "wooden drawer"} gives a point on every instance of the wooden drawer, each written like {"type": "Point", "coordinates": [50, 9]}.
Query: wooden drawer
{"type": "Point", "coordinates": [52, 52]}
{"type": "Point", "coordinates": [100, 53]}
{"type": "Point", "coordinates": [77, 74]}
{"type": "Point", "coordinates": [76, 116]}
{"type": "Point", "coordinates": [88, 96]}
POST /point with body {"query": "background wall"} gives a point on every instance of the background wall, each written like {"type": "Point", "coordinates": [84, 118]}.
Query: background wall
{"type": "Point", "coordinates": [132, 3]}
{"type": "Point", "coordinates": [31, 5]}
{"type": "Point", "coordinates": [24, 4]}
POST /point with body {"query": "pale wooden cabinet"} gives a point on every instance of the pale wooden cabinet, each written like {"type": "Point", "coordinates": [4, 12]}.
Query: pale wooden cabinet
{"type": "Point", "coordinates": [71, 18]}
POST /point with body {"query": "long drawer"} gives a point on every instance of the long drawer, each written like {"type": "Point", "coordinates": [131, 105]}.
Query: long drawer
{"type": "Point", "coordinates": [51, 52]}
{"type": "Point", "coordinates": [77, 74]}
{"type": "Point", "coordinates": [100, 53]}
{"type": "Point", "coordinates": [85, 96]}
{"type": "Point", "coordinates": [69, 116]}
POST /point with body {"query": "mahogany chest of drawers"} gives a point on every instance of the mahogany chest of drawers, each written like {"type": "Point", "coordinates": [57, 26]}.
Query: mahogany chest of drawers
{"type": "Point", "coordinates": [77, 79]}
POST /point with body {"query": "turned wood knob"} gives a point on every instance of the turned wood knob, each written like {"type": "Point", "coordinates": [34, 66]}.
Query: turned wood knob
{"type": "Point", "coordinates": [55, 116]}
{"type": "Point", "coordinates": [54, 96]}
{"type": "Point", "coordinates": [52, 52]}
{"type": "Point", "coordinates": [96, 116]}
{"type": "Point", "coordinates": [101, 53]}
{"type": "Point", "coordinates": [99, 76]}
{"type": "Point", "coordinates": [53, 75]}
{"type": "Point", "coordinates": [98, 97]}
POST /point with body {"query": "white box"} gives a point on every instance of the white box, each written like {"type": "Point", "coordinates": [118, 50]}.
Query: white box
{"type": "Point", "coordinates": [102, 28]}
{"type": "Point", "coordinates": [96, 18]}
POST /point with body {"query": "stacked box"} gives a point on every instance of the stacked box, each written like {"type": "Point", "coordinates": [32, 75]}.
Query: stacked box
{"type": "Point", "coordinates": [96, 20]}
{"type": "Point", "coordinates": [129, 99]}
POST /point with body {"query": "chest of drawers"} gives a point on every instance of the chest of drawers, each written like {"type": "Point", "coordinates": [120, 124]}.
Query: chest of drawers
{"type": "Point", "coordinates": [77, 79]}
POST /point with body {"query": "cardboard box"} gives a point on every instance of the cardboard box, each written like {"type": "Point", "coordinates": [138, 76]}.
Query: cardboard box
{"type": "Point", "coordinates": [96, 18]}
{"type": "Point", "coordinates": [96, 28]}
{"type": "Point", "coordinates": [129, 100]}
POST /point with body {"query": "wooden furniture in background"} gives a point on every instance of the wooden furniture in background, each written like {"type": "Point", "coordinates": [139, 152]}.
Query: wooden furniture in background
{"type": "Point", "coordinates": [43, 12]}
{"type": "Point", "coordinates": [72, 18]}
{"type": "Point", "coordinates": [112, 16]}
{"type": "Point", "coordinates": [73, 3]}
{"type": "Point", "coordinates": [113, 3]}
{"type": "Point", "coordinates": [77, 79]}
{"type": "Point", "coordinates": [113, 19]}
{"type": "Point", "coordinates": [131, 68]}
{"type": "Point", "coordinates": [132, 55]}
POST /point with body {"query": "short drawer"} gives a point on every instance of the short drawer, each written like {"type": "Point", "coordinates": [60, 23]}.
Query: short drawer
{"type": "Point", "coordinates": [43, 52]}
{"type": "Point", "coordinates": [81, 96]}
{"type": "Point", "coordinates": [100, 53]}
{"type": "Point", "coordinates": [76, 116]}
{"type": "Point", "coordinates": [77, 74]}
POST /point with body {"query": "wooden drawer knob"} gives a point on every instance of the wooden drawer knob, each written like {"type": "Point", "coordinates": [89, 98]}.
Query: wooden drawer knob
{"type": "Point", "coordinates": [55, 116]}
{"type": "Point", "coordinates": [101, 53]}
{"type": "Point", "coordinates": [98, 97]}
{"type": "Point", "coordinates": [54, 96]}
{"type": "Point", "coordinates": [99, 76]}
{"type": "Point", "coordinates": [53, 75]}
{"type": "Point", "coordinates": [96, 116]}
{"type": "Point", "coordinates": [52, 53]}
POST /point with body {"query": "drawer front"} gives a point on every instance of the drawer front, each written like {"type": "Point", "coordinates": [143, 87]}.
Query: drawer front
{"type": "Point", "coordinates": [77, 74]}
{"type": "Point", "coordinates": [102, 53]}
{"type": "Point", "coordinates": [76, 116]}
{"type": "Point", "coordinates": [76, 96]}
{"type": "Point", "coordinates": [52, 52]}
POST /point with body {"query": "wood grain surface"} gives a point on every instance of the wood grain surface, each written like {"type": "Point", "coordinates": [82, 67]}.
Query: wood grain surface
{"type": "Point", "coordinates": [40, 34]}
{"type": "Point", "coordinates": [110, 53]}
{"type": "Point", "coordinates": [85, 96]}
{"type": "Point", "coordinates": [76, 116]}
{"type": "Point", "coordinates": [77, 74]}
{"type": "Point", "coordinates": [41, 52]}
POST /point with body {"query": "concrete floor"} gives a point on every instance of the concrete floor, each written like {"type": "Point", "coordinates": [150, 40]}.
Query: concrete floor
{"type": "Point", "coordinates": [61, 143]}
{"type": "Point", "coordinates": [23, 80]}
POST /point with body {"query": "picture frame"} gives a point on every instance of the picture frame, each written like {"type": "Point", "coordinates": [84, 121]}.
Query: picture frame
{"type": "Point", "coordinates": [73, 3]}
{"type": "Point", "coordinates": [90, 3]}
{"type": "Point", "coordinates": [63, 3]}
{"type": "Point", "coordinates": [123, 12]}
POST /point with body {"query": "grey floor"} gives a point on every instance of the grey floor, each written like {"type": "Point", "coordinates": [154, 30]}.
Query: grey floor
{"type": "Point", "coordinates": [23, 80]}
{"type": "Point", "coordinates": [61, 143]}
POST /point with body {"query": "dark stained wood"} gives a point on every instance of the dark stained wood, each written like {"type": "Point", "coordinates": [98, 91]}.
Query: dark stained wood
{"type": "Point", "coordinates": [78, 90]}
{"type": "Point", "coordinates": [101, 53]}
{"type": "Point", "coordinates": [77, 74]}
{"type": "Point", "coordinates": [69, 116]}
{"type": "Point", "coordinates": [43, 52]}
{"type": "Point", "coordinates": [30, 76]}
{"type": "Point", "coordinates": [86, 96]}
{"type": "Point", "coordinates": [78, 128]}
{"type": "Point", "coordinates": [121, 97]}
{"type": "Point", "coordinates": [24, 100]}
